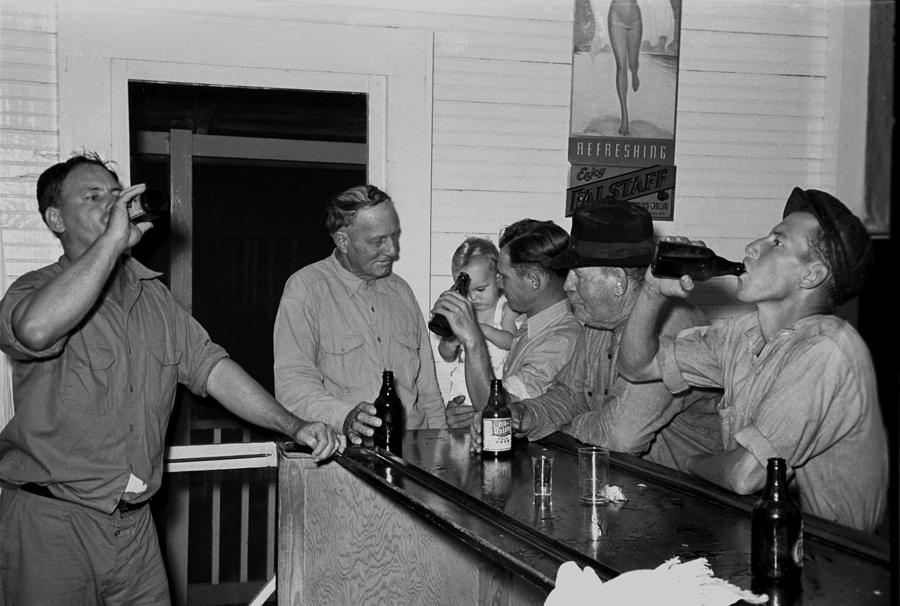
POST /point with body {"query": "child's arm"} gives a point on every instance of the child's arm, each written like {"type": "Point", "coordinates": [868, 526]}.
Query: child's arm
{"type": "Point", "coordinates": [502, 337]}
{"type": "Point", "coordinates": [449, 348]}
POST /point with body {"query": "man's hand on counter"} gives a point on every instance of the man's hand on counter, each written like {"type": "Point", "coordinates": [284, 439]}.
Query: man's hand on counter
{"type": "Point", "coordinates": [457, 413]}
{"type": "Point", "coordinates": [322, 438]}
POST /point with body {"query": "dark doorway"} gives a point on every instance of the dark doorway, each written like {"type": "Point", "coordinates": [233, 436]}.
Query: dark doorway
{"type": "Point", "coordinates": [253, 220]}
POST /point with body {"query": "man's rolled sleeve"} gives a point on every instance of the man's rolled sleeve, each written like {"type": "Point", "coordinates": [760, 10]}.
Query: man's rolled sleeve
{"type": "Point", "coordinates": [757, 444]}
{"type": "Point", "coordinates": [668, 367]}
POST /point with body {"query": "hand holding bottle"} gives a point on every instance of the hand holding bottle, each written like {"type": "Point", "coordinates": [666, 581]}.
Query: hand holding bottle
{"type": "Point", "coordinates": [361, 422]}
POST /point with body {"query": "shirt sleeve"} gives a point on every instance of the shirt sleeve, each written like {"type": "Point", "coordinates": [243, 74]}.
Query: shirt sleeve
{"type": "Point", "coordinates": [536, 371]}
{"type": "Point", "coordinates": [430, 399]}
{"type": "Point", "coordinates": [9, 343]}
{"type": "Point", "coordinates": [299, 384]}
{"type": "Point", "coordinates": [198, 353]}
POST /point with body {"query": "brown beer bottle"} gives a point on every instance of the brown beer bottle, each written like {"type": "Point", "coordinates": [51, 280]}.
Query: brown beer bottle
{"type": "Point", "coordinates": [439, 324]}
{"type": "Point", "coordinates": [388, 408]}
{"type": "Point", "coordinates": [676, 259]}
{"type": "Point", "coordinates": [776, 547]}
{"type": "Point", "coordinates": [496, 423]}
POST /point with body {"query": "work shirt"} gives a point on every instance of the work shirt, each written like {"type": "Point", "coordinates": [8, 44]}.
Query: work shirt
{"type": "Point", "coordinates": [92, 409]}
{"type": "Point", "coordinates": [540, 348]}
{"type": "Point", "coordinates": [335, 334]}
{"type": "Point", "coordinates": [592, 402]}
{"type": "Point", "coordinates": [808, 396]}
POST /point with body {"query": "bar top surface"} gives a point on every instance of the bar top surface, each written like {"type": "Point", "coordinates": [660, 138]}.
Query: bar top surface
{"type": "Point", "coordinates": [488, 504]}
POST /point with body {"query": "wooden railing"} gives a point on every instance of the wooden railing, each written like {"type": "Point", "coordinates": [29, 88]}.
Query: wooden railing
{"type": "Point", "coordinates": [183, 557]}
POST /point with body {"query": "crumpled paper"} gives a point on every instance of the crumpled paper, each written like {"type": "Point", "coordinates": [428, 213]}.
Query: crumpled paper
{"type": "Point", "coordinates": [673, 583]}
{"type": "Point", "coordinates": [615, 494]}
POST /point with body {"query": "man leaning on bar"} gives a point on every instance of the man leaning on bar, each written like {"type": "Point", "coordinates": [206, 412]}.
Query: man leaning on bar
{"type": "Point", "coordinates": [799, 382]}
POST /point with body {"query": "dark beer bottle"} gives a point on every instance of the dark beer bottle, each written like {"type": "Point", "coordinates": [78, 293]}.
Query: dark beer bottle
{"type": "Point", "coordinates": [439, 324]}
{"type": "Point", "coordinates": [388, 408]}
{"type": "Point", "coordinates": [776, 545]}
{"type": "Point", "coordinates": [496, 423]}
{"type": "Point", "coordinates": [676, 259]}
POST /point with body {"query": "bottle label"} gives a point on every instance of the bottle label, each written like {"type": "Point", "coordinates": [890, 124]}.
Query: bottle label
{"type": "Point", "coordinates": [497, 435]}
{"type": "Point", "coordinates": [797, 549]}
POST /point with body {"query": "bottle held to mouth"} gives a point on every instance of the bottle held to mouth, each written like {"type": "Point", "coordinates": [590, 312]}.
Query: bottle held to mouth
{"type": "Point", "coordinates": [676, 259]}
{"type": "Point", "coordinates": [148, 206]}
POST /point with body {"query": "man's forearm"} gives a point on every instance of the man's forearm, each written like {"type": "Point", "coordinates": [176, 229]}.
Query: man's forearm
{"type": "Point", "coordinates": [241, 394]}
{"type": "Point", "coordinates": [737, 470]}
{"type": "Point", "coordinates": [640, 341]}
{"type": "Point", "coordinates": [478, 373]}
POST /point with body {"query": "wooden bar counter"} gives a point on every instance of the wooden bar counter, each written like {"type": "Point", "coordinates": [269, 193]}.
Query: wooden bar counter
{"type": "Point", "coordinates": [442, 526]}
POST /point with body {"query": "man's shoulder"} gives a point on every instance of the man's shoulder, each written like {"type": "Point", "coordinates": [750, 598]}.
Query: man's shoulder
{"type": "Point", "coordinates": [682, 314]}
{"type": "Point", "coordinates": [309, 275]}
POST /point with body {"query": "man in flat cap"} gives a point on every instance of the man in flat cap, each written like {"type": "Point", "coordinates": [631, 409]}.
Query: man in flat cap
{"type": "Point", "coordinates": [799, 382]}
{"type": "Point", "coordinates": [609, 249]}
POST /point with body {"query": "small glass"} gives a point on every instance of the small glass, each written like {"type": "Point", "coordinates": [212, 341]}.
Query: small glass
{"type": "Point", "coordinates": [542, 473]}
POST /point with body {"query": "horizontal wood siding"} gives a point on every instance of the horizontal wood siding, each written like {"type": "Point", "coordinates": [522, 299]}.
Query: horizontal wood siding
{"type": "Point", "coordinates": [752, 114]}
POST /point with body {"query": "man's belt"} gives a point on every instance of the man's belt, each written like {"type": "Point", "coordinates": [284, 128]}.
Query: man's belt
{"type": "Point", "coordinates": [43, 491]}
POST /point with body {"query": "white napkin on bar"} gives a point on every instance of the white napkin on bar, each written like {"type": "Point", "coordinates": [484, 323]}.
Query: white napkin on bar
{"type": "Point", "coordinates": [672, 582]}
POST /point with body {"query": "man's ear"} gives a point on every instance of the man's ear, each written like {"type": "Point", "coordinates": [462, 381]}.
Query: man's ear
{"type": "Point", "coordinates": [54, 220]}
{"type": "Point", "coordinates": [341, 240]}
{"type": "Point", "coordinates": [816, 274]}
{"type": "Point", "coordinates": [534, 279]}
{"type": "Point", "coordinates": [621, 285]}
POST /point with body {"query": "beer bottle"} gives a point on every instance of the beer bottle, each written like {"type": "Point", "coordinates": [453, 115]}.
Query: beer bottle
{"type": "Point", "coordinates": [676, 259]}
{"type": "Point", "coordinates": [496, 423]}
{"type": "Point", "coordinates": [388, 408]}
{"type": "Point", "coordinates": [776, 547]}
{"type": "Point", "coordinates": [147, 206]}
{"type": "Point", "coordinates": [439, 324]}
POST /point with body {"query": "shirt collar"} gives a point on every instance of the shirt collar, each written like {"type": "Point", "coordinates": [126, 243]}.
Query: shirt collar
{"type": "Point", "coordinates": [353, 283]}
{"type": "Point", "coordinates": [539, 321]}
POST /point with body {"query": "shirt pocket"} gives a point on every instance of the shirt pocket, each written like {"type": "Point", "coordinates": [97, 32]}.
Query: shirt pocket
{"type": "Point", "coordinates": [89, 381]}
{"type": "Point", "coordinates": [162, 376]}
{"type": "Point", "coordinates": [343, 357]}
{"type": "Point", "coordinates": [404, 356]}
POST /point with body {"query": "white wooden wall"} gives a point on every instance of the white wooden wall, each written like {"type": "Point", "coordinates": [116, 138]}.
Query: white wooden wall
{"type": "Point", "coordinates": [769, 97]}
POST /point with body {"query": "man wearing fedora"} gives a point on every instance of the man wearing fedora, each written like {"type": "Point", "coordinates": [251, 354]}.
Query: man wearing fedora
{"type": "Point", "coordinates": [799, 381]}
{"type": "Point", "coordinates": [609, 249]}
{"type": "Point", "coordinates": [543, 342]}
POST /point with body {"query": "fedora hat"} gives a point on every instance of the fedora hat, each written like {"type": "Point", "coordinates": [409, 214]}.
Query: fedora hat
{"type": "Point", "coordinates": [615, 234]}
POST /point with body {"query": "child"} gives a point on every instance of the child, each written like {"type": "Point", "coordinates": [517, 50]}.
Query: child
{"type": "Point", "coordinates": [478, 258]}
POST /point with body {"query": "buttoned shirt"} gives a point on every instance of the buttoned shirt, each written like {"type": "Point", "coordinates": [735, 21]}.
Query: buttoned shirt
{"type": "Point", "coordinates": [808, 396]}
{"type": "Point", "coordinates": [336, 333]}
{"type": "Point", "coordinates": [92, 408]}
{"type": "Point", "coordinates": [540, 348]}
{"type": "Point", "coordinates": [592, 402]}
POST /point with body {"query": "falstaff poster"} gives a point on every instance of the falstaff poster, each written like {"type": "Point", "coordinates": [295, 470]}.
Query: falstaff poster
{"type": "Point", "coordinates": [624, 91]}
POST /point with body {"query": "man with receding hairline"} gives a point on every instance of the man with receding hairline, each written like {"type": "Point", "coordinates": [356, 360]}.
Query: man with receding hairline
{"type": "Point", "coordinates": [345, 319]}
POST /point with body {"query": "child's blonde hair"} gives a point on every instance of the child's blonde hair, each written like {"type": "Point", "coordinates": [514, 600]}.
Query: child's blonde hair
{"type": "Point", "coordinates": [472, 249]}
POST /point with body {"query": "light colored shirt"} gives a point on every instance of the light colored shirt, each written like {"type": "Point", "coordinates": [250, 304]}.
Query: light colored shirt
{"type": "Point", "coordinates": [592, 402]}
{"type": "Point", "coordinates": [92, 408]}
{"type": "Point", "coordinates": [808, 396]}
{"type": "Point", "coordinates": [334, 336]}
{"type": "Point", "coordinates": [540, 348]}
